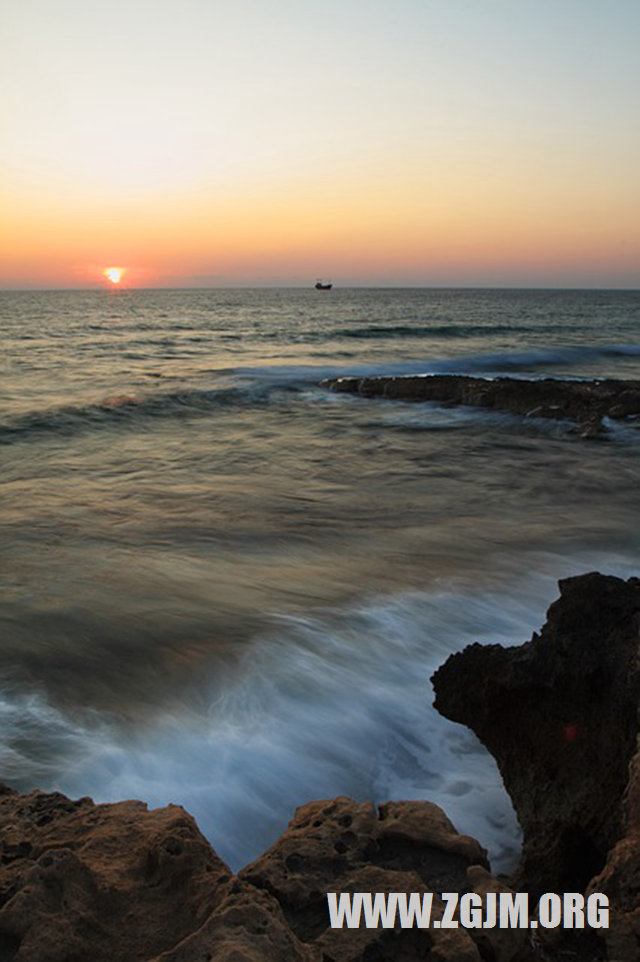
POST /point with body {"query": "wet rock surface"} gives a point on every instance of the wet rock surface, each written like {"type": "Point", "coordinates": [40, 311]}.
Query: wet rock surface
{"type": "Point", "coordinates": [585, 402]}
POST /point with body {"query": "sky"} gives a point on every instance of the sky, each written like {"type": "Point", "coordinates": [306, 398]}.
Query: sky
{"type": "Point", "coordinates": [420, 142]}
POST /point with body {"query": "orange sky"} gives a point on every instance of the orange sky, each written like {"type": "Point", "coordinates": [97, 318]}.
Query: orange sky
{"type": "Point", "coordinates": [435, 147]}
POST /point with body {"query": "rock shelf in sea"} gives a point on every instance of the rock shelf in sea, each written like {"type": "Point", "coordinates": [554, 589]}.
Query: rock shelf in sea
{"type": "Point", "coordinates": [118, 882]}
{"type": "Point", "coordinates": [585, 402]}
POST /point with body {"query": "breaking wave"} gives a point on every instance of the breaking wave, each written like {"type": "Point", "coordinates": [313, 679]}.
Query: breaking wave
{"type": "Point", "coordinates": [130, 408]}
{"type": "Point", "coordinates": [279, 383]}
{"type": "Point", "coordinates": [329, 703]}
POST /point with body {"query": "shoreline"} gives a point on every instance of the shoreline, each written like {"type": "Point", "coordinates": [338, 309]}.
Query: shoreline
{"type": "Point", "coordinates": [559, 713]}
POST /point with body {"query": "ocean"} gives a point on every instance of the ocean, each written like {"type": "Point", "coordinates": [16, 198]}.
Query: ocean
{"type": "Point", "coordinates": [226, 587]}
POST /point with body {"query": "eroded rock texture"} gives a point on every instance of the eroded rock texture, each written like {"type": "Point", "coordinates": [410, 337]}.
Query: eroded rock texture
{"type": "Point", "coordinates": [560, 715]}
{"type": "Point", "coordinates": [344, 846]}
{"type": "Point", "coordinates": [117, 883]}
{"type": "Point", "coordinates": [620, 877]}
{"type": "Point", "coordinates": [80, 881]}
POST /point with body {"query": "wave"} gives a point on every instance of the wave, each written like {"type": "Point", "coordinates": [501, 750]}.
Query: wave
{"type": "Point", "coordinates": [378, 331]}
{"type": "Point", "coordinates": [333, 702]}
{"type": "Point", "coordinates": [293, 376]}
{"type": "Point", "coordinates": [130, 408]}
{"type": "Point", "coordinates": [507, 361]}
{"type": "Point", "coordinates": [569, 356]}
{"type": "Point", "coordinates": [261, 386]}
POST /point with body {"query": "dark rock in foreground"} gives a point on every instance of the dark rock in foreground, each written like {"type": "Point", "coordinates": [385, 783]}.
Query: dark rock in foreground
{"type": "Point", "coordinates": [80, 881]}
{"type": "Point", "coordinates": [345, 846]}
{"type": "Point", "coordinates": [117, 883]}
{"type": "Point", "coordinates": [560, 715]}
{"type": "Point", "coordinates": [585, 402]}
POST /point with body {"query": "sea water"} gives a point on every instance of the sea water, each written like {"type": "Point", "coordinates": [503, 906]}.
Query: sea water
{"type": "Point", "coordinates": [226, 587]}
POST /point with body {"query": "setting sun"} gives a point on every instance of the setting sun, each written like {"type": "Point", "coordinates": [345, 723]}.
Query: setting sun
{"type": "Point", "coordinates": [114, 274]}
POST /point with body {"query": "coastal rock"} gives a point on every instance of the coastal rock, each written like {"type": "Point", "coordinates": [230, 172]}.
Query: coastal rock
{"type": "Point", "coordinates": [560, 715]}
{"type": "Point", "coordinates": [346, 846]}
{"type": "Point", "coordinates": [116, 882]}
{"type": "Point", "coordinates": [620, 877]}
{"type": "Point", "coordinates": [585, 402]}
{"type": "Point", "coordinates": [246, 926]}
{"type": "Point", "coordinates": [113, 883]}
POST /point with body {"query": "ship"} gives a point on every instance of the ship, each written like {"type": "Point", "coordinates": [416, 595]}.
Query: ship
{"type": "Point", "coordinates": [323, 285]}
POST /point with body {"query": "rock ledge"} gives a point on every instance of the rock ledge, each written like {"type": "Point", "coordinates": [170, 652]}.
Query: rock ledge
{"type": "Point", "coordinates": [585, 402]}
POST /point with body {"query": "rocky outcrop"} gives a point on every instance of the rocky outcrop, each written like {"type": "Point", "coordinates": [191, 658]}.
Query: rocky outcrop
{"type": "Point", "coordinates": [345, 846]}
{"type": "Point", "coordinates": [117, 883]}
{"type": "Point", "coordinates": [113, 883]}
{"type": "Point", "coordinates": [560, 715]}
{"type": "Point", "coordinates": [585, 402]}
{"type": "Point", "coordinates": [620, 877]}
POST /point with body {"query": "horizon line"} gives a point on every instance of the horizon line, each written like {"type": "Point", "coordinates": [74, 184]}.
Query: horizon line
{"type": "Point", "coordinates": [300, 287]}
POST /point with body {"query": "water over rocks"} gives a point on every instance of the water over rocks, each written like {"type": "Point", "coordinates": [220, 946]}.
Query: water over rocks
{"type": "Point", "coordinates": [114, 883]}
{"type": "Point", "coordinates": [584, 402]}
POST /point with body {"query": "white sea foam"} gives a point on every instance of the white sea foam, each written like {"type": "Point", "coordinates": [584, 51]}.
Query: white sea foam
{"type": "Point", "coordinates": [338, 702]}
{"type": "Point", "coordinates": [513, 363]}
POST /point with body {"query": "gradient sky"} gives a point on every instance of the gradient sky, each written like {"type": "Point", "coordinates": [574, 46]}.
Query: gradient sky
{"type": "Point", "coordinates": [427, 142]}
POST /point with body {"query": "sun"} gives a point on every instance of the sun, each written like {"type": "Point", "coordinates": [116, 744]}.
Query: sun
{"type": "Point", "coordinates": [114, 274]}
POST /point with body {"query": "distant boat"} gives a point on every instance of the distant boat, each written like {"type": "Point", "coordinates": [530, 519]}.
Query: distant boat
{"type": "Point", "coordinates": [323, 286]}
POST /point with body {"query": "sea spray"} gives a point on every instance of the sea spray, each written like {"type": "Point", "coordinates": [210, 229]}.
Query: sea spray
{"type": "Point", "coordinates": [334, 703]}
